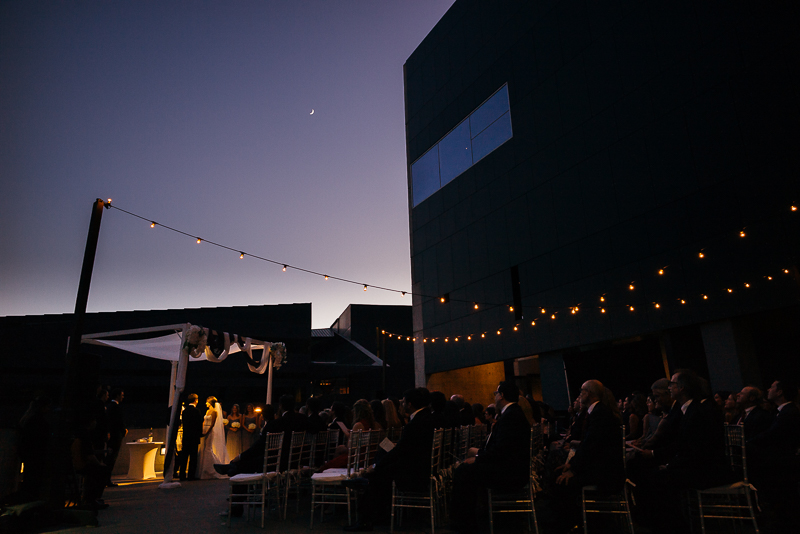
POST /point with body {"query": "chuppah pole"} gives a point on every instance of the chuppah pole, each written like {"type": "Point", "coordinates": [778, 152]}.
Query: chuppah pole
{"type": "Point", "coordinates": [71, 393]}
{"type": "Point", "coordinates": [172, 430]}
{"type": "Point", "coordinates": [269, 374]}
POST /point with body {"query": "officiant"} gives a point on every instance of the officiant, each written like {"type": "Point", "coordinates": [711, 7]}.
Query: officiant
{"type": "Point", "coordinates": [408, 464]}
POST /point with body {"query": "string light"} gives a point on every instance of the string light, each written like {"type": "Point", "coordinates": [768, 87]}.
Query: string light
{"type": "Point", "coordinates": [483, 335]}
{"type": "Point", "coordinates": [705, 297]}
{"type": "Point", "coordinates": [198, 242]}
{"type": "Point", "coordinates": [108, 201]}
{"type": "Point", "coordinates": [631, 308]}
{"type": "Point", "coordinates": [544, 311]}
{"type": "Point", "coordinates": [241, 255]}
{"type": "Point", "coordinates": [746, 284]}
{"type": "Point", "coordinates": [533, 323]}
{"type": "Point", "coordinates": [602, 310]}
{"type": "Point", "coordinates": [153, 224]}
{"type": "Point", "coordinates": [657, 305]}
{"type": "Point", "coordinates": [769, 278]}
{"type": "Point", "coordinates": [498, 332]}
{"type": "Point", "coordinates": [794, 208]}
{"type": "Point", "coordinates": [786, 271]}
{"type": "Point", "coordinates": [515, 328]}
{"type": "Point", "coordinates": [511, 308]}
{"type": "Point", "coordinates": [741, 233]}
{"type": "Point", "coordinates": [683, 301]}
{"type": "Point", "coordinates": [553, 316]}
{"type": "Point", "coordinates": [602, 299]}
{"type": "Point", "coordinates": [365, 287]}
{"type": "Point", "coordinates": [469, 338]}
{"type": "Point", "coordinates": [447, 340]}
{"type": "Point", "coordinates": [701, 255]}
{"type": "Point", "coordinates": [476, 306]}
{"type": "Point", "coordinates": [441, 299]}
{"type": "Point", "coordinates": [631, 286]}
{"type": "Point", "coordinates": [661, 271]}
{"type": "Point", "coordinates": [730, 290]}
{"type": "Point", "coordinates": [456, 340]}
{"type": "Point", "coordinates": [284, 268]}
{"type": "Point", "coordinates": [403, 294]}
{"type": "Point", "coordinates": [326, 277]}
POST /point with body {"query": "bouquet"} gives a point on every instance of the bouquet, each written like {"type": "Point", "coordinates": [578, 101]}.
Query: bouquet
{"type": "Point", "coordinates": [224, 422]}
{"type": "Point", "coordinates": [251, 426]}
{"type": "Point", "coordinates": [195, 342]}
{"type": "Point", "coordinates": [278, 354]}
{"type": "Point", "coordinates": [236, 424]}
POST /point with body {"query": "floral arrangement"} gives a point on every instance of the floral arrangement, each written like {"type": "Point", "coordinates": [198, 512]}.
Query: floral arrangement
{"type": "Point", "coordinates": [236, 424]}
{"type": "Point", "coordinates": [195, 341]}
{"type": "Point", "coordinates": [278, 354]}
{"type": "Point", "coordinates": [225, 422]}
{"type": "Point", "coordinates": [251, 426]}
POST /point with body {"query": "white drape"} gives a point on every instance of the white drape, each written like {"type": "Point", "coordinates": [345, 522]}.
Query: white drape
{"type": "Point", "coordinates": [218, 434]}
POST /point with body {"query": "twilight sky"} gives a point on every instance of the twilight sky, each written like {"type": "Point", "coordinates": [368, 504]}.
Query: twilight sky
{"type": "Point", "coordinates": [197, 115]}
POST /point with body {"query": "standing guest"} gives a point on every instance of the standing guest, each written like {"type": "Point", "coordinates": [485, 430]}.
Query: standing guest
{"type": "Point", "coordinates": [315, 424]}
{"type": "Point", "coordinates": [85, 463]}
{"type": "Point", "coordinates": [34, 441]}
{"type": "Point", "coordinates": [250, 427]}
{"type": "Point", "coordinates": [288, 422]}
{"type": "Point", "coordinates": [192, 423]}
{"type": "Point", "coordinates": [233, 440]}
{"type": "Point", "coordinates": [392, 420]}
{"type": "Point", "coordinates": [116, 430]}
{"type": "Point", "coordinates": [774, 458]}
{"type": "Point", "coordinates": [408, 464]}
{"type": "Point", "coordinates": [753, 417]}
{"type": "Point", "coordinates": [503, 462]}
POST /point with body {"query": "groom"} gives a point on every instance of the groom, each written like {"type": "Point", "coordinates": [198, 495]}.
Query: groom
{"type": "Point", "coordinates": [192, 431]}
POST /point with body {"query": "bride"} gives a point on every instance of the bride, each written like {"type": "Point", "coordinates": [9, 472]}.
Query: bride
{"type": "Point", "coordinates": [212, 448]}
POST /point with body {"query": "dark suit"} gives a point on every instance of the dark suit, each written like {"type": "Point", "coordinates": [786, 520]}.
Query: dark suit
{"type": "Point", "coordinates": [192, 422]}
{"type": "Point", "coordinates": [287, 423]}
{"type": "Point", "coordinates": [315, 424]}
{"type": "Point", "coordinates": [755, 422]}
{"type": "Point", "coordinates": [503, 463]}
{"type": "Point", "coordinates": [117, 431]}
{"type": "Point", "coordinates": [408, 464]}
{"type": "Point", "coordinates": [598, 459]}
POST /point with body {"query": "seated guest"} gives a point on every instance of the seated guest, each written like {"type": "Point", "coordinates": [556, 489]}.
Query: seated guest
{"type": "Point", "coordinates": [651, 419]}
{"type": "Point", "coordinates": [392, 419]}
{"type": "Point", "coordinates": [363, 418]}
{"type": "Point", "coordinates": [490, 415]}
{"type": "Point", "coordinates": [636, 409]}
{"type": "Point", "coordinates": [379, 413]}
{"type": "Point", "coordinates": [753, 417]}
{"type": "Point", "coordinates": [503, 462]}
{"type": "Point", "coordinates": [773, 460]}
{"type": "Point", "coordinates": [667, 429]}
{"type": "Point", "coordinates": [438, 404]}
{"type": "Point", "coordinates": [339, 421]}
{"type": "Point", "coordinates": [597, 460]}
{"type": "Point", "coordinates": [720, 397]}
{"type": "Point", "coordinates": [693, 460]}
{"type": "Point", "coordinates": [730, 409]}
{"type": "Point", "coordinates": [477, 411]}
{"type": "Point", "coordinates": [314, 423]}
{"type": "Point", "coordinates": [408, 464]}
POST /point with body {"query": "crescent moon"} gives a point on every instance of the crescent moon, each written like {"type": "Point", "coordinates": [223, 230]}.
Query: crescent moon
{"type": "Point", "coordinates": [312, 112]}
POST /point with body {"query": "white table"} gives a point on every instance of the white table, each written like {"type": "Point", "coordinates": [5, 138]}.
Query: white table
{"type": "Point", "coordinates": [143, 458]}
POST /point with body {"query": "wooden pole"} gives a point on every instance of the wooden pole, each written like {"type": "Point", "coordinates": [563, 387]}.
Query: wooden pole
{"type": "Point", "coordinates": [71, 392]}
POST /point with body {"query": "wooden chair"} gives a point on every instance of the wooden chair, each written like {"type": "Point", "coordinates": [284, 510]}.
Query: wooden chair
{"type": "Point", "coordinates": [261, 485]}
{"type": "Point", "coordinates": [520, 501]}
{"type": "Point", "coordinates": [731, 501]}
{"type": "Point", "coordinates": [292, 475]}
{"type": "Point", "coordinates": [593, 503]}
{"type": "Point", "coordinates": [408, 498]}
{"type": "Point", "coordinates": [327, 488]}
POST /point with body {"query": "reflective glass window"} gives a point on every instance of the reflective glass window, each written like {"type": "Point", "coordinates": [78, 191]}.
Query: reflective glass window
{"type": "Point", "coordinates": [489, 111]}
{"type": "Point", "coordinates": [425, 175]}
{"type": "Point", "coordinates": [492, 137]}
{"type": "Point", "coordinates": [455, 153]}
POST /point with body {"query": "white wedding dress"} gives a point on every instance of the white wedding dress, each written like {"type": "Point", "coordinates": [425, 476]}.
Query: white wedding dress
{"type": "Point", "coordinates": [212, 447]}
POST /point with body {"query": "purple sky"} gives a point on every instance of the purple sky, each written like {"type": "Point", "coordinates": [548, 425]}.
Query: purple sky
{"type": "Point", "coordinates": [197, 115]}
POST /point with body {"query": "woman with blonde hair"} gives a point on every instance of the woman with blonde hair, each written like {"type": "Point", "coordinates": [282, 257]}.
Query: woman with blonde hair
{"type": "Point", "coordinates": [392, 419]}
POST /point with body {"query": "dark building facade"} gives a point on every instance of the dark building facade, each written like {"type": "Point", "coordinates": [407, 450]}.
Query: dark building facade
{"type": "Point", "coordinates": [609, 187]}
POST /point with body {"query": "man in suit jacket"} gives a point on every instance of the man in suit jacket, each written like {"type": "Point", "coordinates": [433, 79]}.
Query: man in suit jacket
{"type": "Point", "coordinates": [754, 418]}
{"type": "Point", "coordinates": [288, 422]}
{"type": "Point", "coordinates": [773, 461]}
{"type": "Point", "coordinates": [116, 430]}
{"type": "Point", "coordinates": [192, 421]}
{"type": "Point", "coordinates": [503, 463]}
{"type": "Point", "coordinates": [408, 463]}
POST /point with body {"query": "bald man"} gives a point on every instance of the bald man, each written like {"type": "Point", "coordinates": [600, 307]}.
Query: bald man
{"type": "Point", "coordinates": [754, 418]}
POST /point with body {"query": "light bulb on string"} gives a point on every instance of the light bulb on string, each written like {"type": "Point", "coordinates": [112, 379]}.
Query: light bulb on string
{"type": "Point", "coordinates": [602, 299]}
{"type": "Point", "coordinates": [365, 287]}
{"type": "Point", "coordinates": [657, 305]}
{"type": "Point", "coordinates": [730, 290]}
{"type": "Point", "coordinates": [661, 271]}
{"type": "Point", "coordinates": [515, 328]}
{"type": "Point", "coordinates": [198, 240]}
{"type": "Point", "coordinates": [153, 224]}
{"type": "Point", "coordinates": [746, 284]}
{"type": "Point", "coordinates": [475, 306]}
{"type": "Point", "coordinates": [447, 340]}
{"type": "Point", "coordinates": [786, 271]}
{"type": "Point", "coordinates": [631, 308]}
{"type": "Point", "coordinates": [794, 208]}
{"type": "Point", "coordinates": [705, 297]}
{"type": "Point", "coordinates": [402, 293]}
{"type": "Point", "coordinates": [631, 287]}
{"type": "Point", "coordinates": [602, 310]}
{"type": "Point", "coordinates": [544, 311]}
{"type": "Point", "coordinates": [741, 233]}
{"type": "Point", "coordinates": [469, 338]}
{"type": "Point", "coordinates": [769, 278]}
{"type": "Point", "coordinates": [441, 299]}
{"type": "Point", "coordinates": [241, 255]}
{"type": "Point", "coordinates": [284, 268]}
{"type": "Point", "coordinates": [682, 301]}
{"type": "Point", "coordinates": [701, 255]}
{"type": "Point", "coordinates": [511, 308]}
{"type": "Point", "coordinates": [456, 340]}
{"type": "Point", "coordinates": [413, 339]}
{"type": "Point", "coordinates": [553, 316]}
{"type": "Point", "coordinates": [326, 277]}
{"type": "Point", "coordinates": [498, 332]}
{"type": "Point", "coordinates": [483, 335]}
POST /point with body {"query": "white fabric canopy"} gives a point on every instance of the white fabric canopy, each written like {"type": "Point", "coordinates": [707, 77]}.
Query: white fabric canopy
{"type": "Point", "coordinates": [163, 347]}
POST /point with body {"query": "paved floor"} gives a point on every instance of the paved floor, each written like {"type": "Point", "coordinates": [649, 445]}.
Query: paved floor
{"type": "Point", "coordinates": [142, 507]}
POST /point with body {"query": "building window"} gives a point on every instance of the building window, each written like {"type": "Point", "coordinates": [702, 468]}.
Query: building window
{"type": "Point", "coordinates": [485, 129]}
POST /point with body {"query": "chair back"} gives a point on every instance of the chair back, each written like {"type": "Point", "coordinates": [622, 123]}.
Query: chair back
{"type": "Point", "coordinates": [436, 452]}
{"type": "Point", "coordinates": [395, 433]}
{"type": "Point", "coordinates": [463, 442]}
{"type": "Point", "coordinates": [447, 447]}
{"type": "Point", "coordinates": [537, 439]}
{"type": "Point", "coordinates": [735, 450]}
{"type": "Point", "coordinates": [330, 447]}
{"type": "Point", "coordinates": [296, 446]}
{"type": "Point", "coordinates": [272, 452]}
{"type": "Point", "coordinates": [478, 436]}
{"type": "Point", "coordinates": [319, 444]}
{"type": "Point", "coordinates": [624, 457]}
{"type": "Point", "coordinates": [353, 448]}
